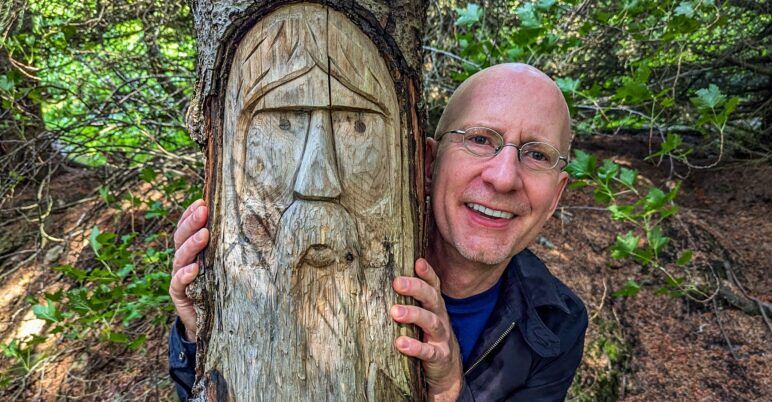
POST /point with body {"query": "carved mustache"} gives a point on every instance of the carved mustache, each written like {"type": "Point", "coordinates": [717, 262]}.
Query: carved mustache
{"type": "Point", "coordinates": [316, 232]}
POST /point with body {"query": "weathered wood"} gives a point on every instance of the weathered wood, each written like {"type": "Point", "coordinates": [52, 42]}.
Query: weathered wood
{"type": "Point", "coordinates": [313, 142]}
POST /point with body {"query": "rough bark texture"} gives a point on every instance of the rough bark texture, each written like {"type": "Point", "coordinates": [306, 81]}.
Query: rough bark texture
{"type": "Point", "coordinates": [308, 113]}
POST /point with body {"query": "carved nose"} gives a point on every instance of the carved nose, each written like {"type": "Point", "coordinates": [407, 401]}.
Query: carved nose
{"type": "Point", "coordinates": [318, 174]}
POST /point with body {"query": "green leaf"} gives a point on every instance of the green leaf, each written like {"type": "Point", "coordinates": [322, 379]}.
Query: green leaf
{"type": "Point", "coordinates": [125, 271]}
{"type": "Point", "coordinates": [468, 16]}
{"type": "Point", "coordinates": [634, 89]}
{"type": "Point", "coordinates": [527, 15]}
{"type": "Point", "coordinates": [656, 239]}
{"type": "Point", "coordinates": [623, 212]}
{"type": "Point", "coordinates": [545, 4]}
{"type": "Point", "coordinates": [684, 258]}
{"type": "Point", "coordinates": [628, 176]}
{"type": "Point", "coordinates": [686, 8]}
{"type": "Point", "coordinates": [147, 174]}
{"type": "Point", "coordinates": [624, 246]}
{"type": "Point", "coordinates": [630, 288]}
{"type": "Point", "coordinates": [582, 165]}
{"type": "Point", "coordinates": [514, 53]}
{"type": "Point", "coordinates": [667, 212]}
{"type": "Point", "coordinates": [117, 337]}
{"type": "Point", "coordinates": [608, 170]}
{"type": "Point", "coordinates": [708, 98]}
{"type": "Point", "coordinates": [6, 84]}
{"type": "Point", "coordinates": [92, 240]}
{"type": "Point", "coordinates": [729, 107]}
{"type": "Point", "coordinates": [602, 195]}
{"type": "Point", "coordinates": [47, 312]}
{"type": "Point", "coordinates": [72, 272]}
{"type": "Point", "coordinates": [654, 200]}
{"type": "Point", "coordinates": [567, 85]}
{"type": "Point", "coordinates": [104, 193]}
{"type": "Point", "coordinates": [135, 344]}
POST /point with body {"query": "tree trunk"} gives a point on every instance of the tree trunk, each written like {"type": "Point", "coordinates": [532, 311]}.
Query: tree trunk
{"type": "Point", "coordinates": [308, 113]}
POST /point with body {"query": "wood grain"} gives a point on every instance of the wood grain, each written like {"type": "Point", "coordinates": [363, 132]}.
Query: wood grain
{"type": "Point", "coordinates": [314, 218]}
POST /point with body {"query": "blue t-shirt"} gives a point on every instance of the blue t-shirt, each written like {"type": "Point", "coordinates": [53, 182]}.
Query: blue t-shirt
{"type": "Point", "coordinates": [468, 316]}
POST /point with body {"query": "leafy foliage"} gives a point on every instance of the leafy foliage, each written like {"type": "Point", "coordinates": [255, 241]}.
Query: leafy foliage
{"type": "Point", "coordinates": [616, 188]}
{"type": "Point", "coordinates": [672, 69]}
{"type": "Point", "coordinates": [99, 84]}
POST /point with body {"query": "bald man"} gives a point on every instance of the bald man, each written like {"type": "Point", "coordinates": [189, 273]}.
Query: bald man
{"type": "Point", "coordinates": [496, 324]}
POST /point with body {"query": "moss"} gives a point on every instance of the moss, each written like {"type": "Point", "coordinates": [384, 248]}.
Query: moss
{"type": "Point", "coordinates": [605, 363]}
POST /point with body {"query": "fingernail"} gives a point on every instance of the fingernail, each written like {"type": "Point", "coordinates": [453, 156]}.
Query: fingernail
{"type": "Point", "coordinates": [401, 343]}
{"type": "Point", "coordinates": [402, 283]}
{"type": "Point", "coordinates": [398, 311]}
{"type": "Point", "coordinates": [200, 235]}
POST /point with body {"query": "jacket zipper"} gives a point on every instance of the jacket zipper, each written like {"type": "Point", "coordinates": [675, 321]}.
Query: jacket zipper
{"type": "Point", "coordinates": [490, 349]}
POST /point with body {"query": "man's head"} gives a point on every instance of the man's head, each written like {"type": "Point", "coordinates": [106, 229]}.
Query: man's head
{"type": "Point", "coordinates": [488, 209]}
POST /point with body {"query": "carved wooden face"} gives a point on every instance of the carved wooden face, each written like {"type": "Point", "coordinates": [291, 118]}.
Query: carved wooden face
{"type": "Point", "coordinates": [311, 210]}
{"type": "Point", "coordinates": [311, 123]}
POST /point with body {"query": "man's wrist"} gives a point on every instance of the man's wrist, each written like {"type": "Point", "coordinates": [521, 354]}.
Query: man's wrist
{"type": "Point", "coordinates": [449, 392]}
{"type": "Point", "coordinates": [189, 336]}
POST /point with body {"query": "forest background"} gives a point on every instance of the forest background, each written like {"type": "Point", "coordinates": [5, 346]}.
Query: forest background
{"type": "Point", "coordinates": [665, 232]}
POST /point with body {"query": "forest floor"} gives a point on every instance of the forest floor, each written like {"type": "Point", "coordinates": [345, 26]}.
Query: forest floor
{"type": "Point", "coordinates": [647, 347]}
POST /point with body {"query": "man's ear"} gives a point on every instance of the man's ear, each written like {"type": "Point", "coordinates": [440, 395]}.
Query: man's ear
{"type": "Point", "coordinates": [430, 157]}
{"type": "Point", "coordinates": [561, 186]}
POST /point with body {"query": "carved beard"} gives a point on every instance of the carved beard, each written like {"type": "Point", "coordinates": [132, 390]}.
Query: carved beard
{"type": "Point", "coordinates": [317, 233]}
{"type": "Point", "coordinates": [317, 243]}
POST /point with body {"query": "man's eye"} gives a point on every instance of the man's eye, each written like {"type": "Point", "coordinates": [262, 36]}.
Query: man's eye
{"type": "Point", "coordinates": [480, 140]}
{"type": "Point", "coordinates": [536, 155]}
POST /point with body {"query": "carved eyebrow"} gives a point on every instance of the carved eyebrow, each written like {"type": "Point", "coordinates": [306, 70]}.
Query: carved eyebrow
{"type": "Point", "coordinates": [334, 108]}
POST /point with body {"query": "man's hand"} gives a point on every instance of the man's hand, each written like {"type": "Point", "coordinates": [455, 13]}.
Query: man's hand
{"type": "Point", "coordinates": [439, 351]}
{"type": "Point", "coordinates": [189, 239]}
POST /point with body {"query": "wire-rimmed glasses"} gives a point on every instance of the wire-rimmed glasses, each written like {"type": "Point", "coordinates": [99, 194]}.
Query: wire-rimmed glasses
{"type": "Point", "coordinates": [486, 142]}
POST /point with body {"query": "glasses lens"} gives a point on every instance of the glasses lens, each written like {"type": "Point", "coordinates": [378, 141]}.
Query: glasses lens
{"type": "Point", "coordinates": [482, 141]}
{"type": "Point", "coordinates": [539, 155]}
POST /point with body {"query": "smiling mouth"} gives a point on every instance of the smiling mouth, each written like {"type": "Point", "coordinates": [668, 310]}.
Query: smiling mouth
{"type": "Point", "coordinates": [488, 212]}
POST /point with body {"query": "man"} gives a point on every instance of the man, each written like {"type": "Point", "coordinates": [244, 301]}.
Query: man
{"type": "Point", "coordinates": [494, 169]}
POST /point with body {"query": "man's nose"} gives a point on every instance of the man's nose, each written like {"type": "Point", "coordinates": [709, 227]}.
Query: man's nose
{"type": "Point", "coordinates": [503, 171]}
{"type": "Point", "coordinates": [317, 176]}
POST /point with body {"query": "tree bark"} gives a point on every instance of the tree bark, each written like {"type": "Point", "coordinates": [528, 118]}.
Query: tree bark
{"type": "Point", "coordinates": [309, 116]}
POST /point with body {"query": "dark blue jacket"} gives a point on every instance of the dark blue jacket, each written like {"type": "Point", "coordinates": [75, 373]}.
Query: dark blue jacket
{"type": "Point", "coordinates": [529, 350]}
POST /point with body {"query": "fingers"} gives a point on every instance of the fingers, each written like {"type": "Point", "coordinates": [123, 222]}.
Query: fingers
{"type": "Point", "coordinates": [426, 272]}
{"type": "Point", "coordinates": [429, 353]}
{"type": "Point", "coordinates": [186, 254]}
{"type": "Point", "coordinates": [190, 224]}
{"type": "Point", "coordinates": [429, 296]}
{"type": "Point", "coordinates": [432, 325]}
{"type": "Point", "coordinates": [180, 281]}
{"type": "Point", "coordinates": [192, 207]}
{"type": "Point", "coordinates": [182, 303]}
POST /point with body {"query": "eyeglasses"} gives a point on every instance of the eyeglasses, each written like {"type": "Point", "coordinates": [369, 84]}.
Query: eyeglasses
{"type": "Point", "coordinates": [487, 143]}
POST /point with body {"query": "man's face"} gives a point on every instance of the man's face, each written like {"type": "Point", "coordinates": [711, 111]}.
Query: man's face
{"type": "Point", "coordinates": [522, 108]}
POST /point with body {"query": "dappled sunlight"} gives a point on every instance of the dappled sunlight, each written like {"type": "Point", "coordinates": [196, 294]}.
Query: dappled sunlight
{"type": "Point", "coordinates": [28, 326]}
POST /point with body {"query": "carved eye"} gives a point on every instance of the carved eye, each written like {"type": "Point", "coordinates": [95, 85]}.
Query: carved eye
{"type": "Point", "coordinates": [360, 126]}
{"type": "Point", "coordinates": [284, 124]}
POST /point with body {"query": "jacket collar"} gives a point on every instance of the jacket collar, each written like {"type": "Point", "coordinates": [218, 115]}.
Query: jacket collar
{"type": "Point", "coordinates": [527, 285]}
{"type": "Point", "coordinates": [530, 286]}
{"type": "Point", "coordinates": [539, 286]}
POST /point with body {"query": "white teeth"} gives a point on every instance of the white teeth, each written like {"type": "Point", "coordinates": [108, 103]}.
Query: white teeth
{"type": "Point", "coordinates": [490, 212]}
